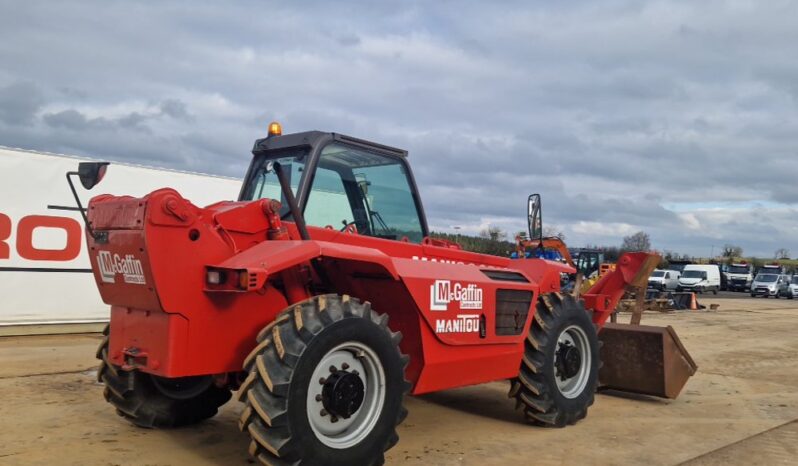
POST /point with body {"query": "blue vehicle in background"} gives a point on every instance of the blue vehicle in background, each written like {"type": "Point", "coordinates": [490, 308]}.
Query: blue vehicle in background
{"type": "Point", "coordinates": [548, 254]}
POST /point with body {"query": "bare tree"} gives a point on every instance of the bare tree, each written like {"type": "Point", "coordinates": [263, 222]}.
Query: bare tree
{"type": "Point", "coordinates": [553, 231]}
{"type": "Point", "coordinates": [782, 253]}
{"type": "Point", "coordinates": [493, 233]}
{"type": "Point", "coordinates": [730, 251]}
{"type": "Point", "coordinates": [639, 241]}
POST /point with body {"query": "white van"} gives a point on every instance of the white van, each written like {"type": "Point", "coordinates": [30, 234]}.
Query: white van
{"type": "Point", "coordinates": [664, 279]}
{"type": "Point", "coordinates": [700, 278]}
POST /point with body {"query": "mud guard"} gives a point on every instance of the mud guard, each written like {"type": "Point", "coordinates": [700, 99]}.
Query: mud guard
{"type": "Point", "coordinates": [275, 256]}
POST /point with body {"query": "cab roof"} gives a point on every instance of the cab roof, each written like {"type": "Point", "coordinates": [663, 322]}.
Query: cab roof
{"type": "Point", "coordinates": [315, 138]}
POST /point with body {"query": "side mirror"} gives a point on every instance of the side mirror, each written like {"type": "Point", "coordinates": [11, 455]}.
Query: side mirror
{"type": "Point", "coordinates": [534, 217]}
{"type": "Point", "coordinates": [91, 173]}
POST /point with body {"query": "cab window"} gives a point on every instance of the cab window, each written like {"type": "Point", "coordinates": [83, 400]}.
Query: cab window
{"type": "Point", "coordinates": [328, 204]}
{"type": "Point", "coordinates": [364, 190]}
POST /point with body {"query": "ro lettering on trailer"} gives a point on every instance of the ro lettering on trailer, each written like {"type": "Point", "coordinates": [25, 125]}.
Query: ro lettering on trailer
{"type": "Point", "coordinates": [26, 227]}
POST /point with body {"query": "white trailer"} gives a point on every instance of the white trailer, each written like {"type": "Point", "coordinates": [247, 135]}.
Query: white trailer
{"type": "Point", "coordinates": [45, 276]}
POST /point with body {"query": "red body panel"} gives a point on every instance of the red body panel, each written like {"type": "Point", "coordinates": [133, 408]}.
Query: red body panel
{"type": "Point", "coordinates": [167, 320]}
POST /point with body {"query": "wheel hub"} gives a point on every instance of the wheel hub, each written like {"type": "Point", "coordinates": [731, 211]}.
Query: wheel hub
{"type": "Point", "coordinates": [346, 395]}
{"type": "Point", "coordinates": [342, 394]}
{"type": "Point", "coordinates": [573, 359]}
{"type": "Point", "coordinates": [569, 360]}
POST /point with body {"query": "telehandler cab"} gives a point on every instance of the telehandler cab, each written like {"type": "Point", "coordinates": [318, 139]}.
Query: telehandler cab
{"type": "Point", "coordinates": [321, 299]}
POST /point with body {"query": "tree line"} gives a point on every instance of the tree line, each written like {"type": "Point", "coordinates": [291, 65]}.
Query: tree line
{"type": "Point", "coordinates": [495, 241]}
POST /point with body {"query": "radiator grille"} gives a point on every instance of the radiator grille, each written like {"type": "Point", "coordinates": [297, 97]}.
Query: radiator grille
{"type": "Point", "coordinates": [512, 309]}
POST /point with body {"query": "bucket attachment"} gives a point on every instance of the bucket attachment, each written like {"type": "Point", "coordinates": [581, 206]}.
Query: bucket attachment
{"type": "Point", "coordinates": [644, 359]}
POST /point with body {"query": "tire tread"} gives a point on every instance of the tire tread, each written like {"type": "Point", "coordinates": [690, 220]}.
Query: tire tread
{"type": "Point", "coordinates": [265, 392]}
{"type": "Point", "coordinates": [530, 388]}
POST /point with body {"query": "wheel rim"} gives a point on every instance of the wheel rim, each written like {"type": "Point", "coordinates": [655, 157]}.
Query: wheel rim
{"type": "Point", "coordinates": [572, 361]}
{"type": "Point", "coordinates": [339, 414]}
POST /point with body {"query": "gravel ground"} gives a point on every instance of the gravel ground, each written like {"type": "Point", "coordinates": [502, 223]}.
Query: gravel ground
{"type": "Point", "coordinates": [740, 408]}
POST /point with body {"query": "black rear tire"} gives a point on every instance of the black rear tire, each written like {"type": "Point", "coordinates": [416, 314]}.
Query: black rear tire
{"type": "Point", "coordinates": [142, 398]}
{"type": "Point", "coordinates": [280, 410]}
{"type": "Point", "coordinates": [536, 389]}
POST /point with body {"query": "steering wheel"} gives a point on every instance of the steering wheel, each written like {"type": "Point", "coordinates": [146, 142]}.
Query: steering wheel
{"type": "Point", "coordinates": [349, 227]}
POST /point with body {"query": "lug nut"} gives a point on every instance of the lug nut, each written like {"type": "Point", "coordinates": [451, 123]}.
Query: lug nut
{"type": "Point", "coordinates": [323, 412]}
{"type": "Point", "coordinates": [334, 419]}
{"type": "Point", "coordinates": [344, 366]}
{"type": "Point", "coordinates": [318, 397]}
{"type": "Point", "coordinates": [355, 372]}
{"type": "Point", "coordinates": [333, 369]}
{"type": "Point", "coordinates": [322, 381]}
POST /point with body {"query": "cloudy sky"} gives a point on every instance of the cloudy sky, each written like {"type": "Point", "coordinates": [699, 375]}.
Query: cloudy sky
{"type": "Point", "coordinates": [679, 118]}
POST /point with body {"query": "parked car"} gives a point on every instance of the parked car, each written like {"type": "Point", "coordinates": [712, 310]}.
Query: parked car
{"type": "Point", "coordinates": [770, 284]}
{"type": "Point", "coordinates": [700, 278]}
{"type": "Point", "coordinates": [664, 280]}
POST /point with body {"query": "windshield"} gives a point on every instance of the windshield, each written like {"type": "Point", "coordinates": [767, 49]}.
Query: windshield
{"type": "Point", "coordinates": [694, 274]}
{"type": "Point", "coordinates": [766, 278]}
{"type": "Point", "coordinates": [658, 273]}
{"type": "Point", "coordinates": [743, 269]}
{"type": "Point", "coordinates": [265, 183]}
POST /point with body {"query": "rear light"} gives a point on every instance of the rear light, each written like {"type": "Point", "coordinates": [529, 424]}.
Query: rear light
{"type": "Point", "coordinates": [215, 277]}
{"type": "Point", "coordinates": [234, 280]}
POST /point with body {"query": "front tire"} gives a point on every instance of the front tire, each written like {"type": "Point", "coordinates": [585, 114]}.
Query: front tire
{"type": "Point", "coordinates": [150, 401]}
{"type": "Point", "coordinates": [559, 371]}
{"type": "Point", "coordinates": [325, 386]}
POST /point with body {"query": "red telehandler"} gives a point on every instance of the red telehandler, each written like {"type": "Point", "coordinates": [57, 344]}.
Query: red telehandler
{"type": "Point", "coordinates": [321, 299]}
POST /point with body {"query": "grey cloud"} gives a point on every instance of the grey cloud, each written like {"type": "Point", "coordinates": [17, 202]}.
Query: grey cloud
{"type": "Point", "coordinates": [611, 110]}
{"type": "Point", "coordinates": [74, 120]}
{"type": "Point", "coordinates": [69, 119]}
{"type": "Point", "coordinates": [19, 103]}
{"type": "Point", "coordinates": [175, 108]}
{"type": "Point", "coordinates": [132, 120]}
{"type": "Point", "coordinates": [348, 40]}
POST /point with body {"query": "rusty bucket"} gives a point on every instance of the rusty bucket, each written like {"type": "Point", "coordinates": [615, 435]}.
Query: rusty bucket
{"type": "Point", "coordinates": [644, 359]}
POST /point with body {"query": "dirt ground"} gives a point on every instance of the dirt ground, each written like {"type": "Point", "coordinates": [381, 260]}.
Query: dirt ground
{"type": "Point", "coordinates": [740, 408]}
